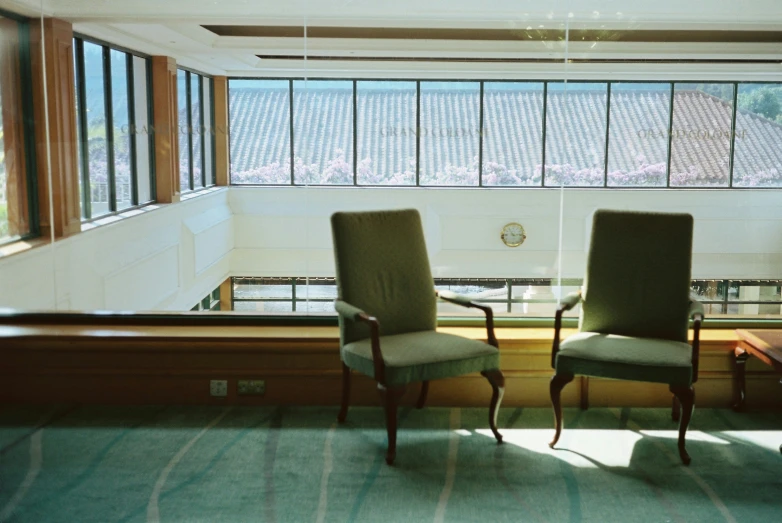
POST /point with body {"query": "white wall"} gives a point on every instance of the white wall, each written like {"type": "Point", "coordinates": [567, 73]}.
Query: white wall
{"type": "Point", "coordinates": [285, 231]}
{"type": "Point", "coordinates": [169, 258]}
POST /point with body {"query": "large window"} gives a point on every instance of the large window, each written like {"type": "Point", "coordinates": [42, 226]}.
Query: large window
{"type": "Point", "coordinates": [509, 134]}
{"type": "Point", "coordinates": [386, 137]}
{"type": "Point", "coordinates": [701, 134]}
{"type": "Point", "coordinates": [575, 134]}
{"type": "Point", "coordinates": [449, 133]}
{"type": "Point", "coordinates": [196, 132]}
{"type": "Point", "coordinates": [757, 158]}
{"type": "Point", "coordinates": [17, 190]}
{"type": "Point", "coordinates": [638, 157]}
{"type": "Point", "coordinates": [512, 133]}
{"type": "Point", "coordinates": [113, 117]}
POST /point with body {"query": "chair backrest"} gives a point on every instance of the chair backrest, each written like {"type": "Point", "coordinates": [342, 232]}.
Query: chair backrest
{"type": "Point", "coordinates": [383, 269]}
{"type": "Point", "coordinates": [638, 275]}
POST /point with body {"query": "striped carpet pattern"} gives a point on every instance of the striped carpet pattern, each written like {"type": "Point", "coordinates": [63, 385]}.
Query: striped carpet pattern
{"type": "Point", "coordinates": [236, 464]}
{"type": "Point", "coordinates": [575, 140]}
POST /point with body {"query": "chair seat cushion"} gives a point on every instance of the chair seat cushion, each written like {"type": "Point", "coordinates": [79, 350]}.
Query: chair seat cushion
{"type": "Point", "coordinates": [420, 356]}
{"type": "Point", "coordinates": [624, 357]}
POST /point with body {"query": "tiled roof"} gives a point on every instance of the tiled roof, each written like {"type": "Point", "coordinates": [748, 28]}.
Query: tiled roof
{"type": "Point", "coordinates": [638, 139]}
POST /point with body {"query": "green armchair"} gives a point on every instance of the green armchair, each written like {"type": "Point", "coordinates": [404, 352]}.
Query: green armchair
{"type": "Point", "coordinates": [387, 309]}
{"type": "Point", "coordinates": [635, 311]}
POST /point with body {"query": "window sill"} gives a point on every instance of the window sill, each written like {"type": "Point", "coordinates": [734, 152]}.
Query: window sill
{"type": "Point", "coordinates": [118, 216]}
{"type": "Point", "coordinates": [20, 246]}
{"type": "Point", "coordinates": [189, 195]}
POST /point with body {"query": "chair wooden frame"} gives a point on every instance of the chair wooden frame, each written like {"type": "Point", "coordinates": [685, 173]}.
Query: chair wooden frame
{"type": "Point", "coordinates": [683, 397]}
{"type": "Point", "coordinates": [390, 395]}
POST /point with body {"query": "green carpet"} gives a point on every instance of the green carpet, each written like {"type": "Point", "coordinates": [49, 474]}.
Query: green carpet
{"type": "Point", "coordinates": [211, 464]}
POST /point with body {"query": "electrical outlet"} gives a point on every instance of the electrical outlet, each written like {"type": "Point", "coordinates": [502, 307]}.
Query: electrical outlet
{"type": "Point", "coordinates": [218, 388]}
{"type": "Point", "coordinates": [251, 387]}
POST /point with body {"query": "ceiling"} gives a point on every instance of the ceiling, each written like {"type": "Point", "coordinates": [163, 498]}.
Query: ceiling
{"type": "Point", "coordinates": [521, 37]}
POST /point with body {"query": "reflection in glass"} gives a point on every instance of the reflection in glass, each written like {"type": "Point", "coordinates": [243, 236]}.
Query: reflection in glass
{"type": "Point", "coordinates": [96, 129]}
{"type": "Point", "coordinates": [449, 133]}
{"type": "Point", "coordinates": [575, 133]}
{"type": "Point", "coordinates": [141, 129]}
{"type": "Point", "coordinates": [512, 133]}
{"type": "Point", "coordinates": [260, 131]}
{"type": "Point", "coordinates": [757, 155]}
{"type": "Point", "coordinates": [184, 130]}
{"type": "Point", "coordinates": [386, 132]}
{"type": "Point", "coordinates": [120, 122]}
{"type": "Point", "coordinates": [638, 134]}
{"type": "Point", "coordinates": [323, 132]}
{"type": "Point", "coordinates": [700, 135]}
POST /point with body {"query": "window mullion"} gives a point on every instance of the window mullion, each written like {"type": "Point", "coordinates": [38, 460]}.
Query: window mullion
{"type": "Point", "coordinates": [84, 131]}
{"type": "Point", "coordinates": [189, 112]}
{"type": "Point", "coordinates": [109, 114]}
{"type": "Point", "coordinates": [201, 131]}
{"type": "Point", "coordinates": [132, 128]}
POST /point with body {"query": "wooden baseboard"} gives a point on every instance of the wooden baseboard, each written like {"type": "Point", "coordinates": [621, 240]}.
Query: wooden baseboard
{"type": "Point", "coordinates": [174, 365]}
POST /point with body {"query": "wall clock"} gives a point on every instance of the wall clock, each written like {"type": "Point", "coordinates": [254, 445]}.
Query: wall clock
{"type": "Point", "coordinates": [513, 234]}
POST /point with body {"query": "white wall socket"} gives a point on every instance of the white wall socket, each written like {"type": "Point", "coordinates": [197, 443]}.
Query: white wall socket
{"type": "Point", "coordinates": [218, 388]}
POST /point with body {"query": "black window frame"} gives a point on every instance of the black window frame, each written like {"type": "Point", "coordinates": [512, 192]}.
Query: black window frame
{"type": "Point", "coordinates": [203, 132]}
{"type": "Point", "coordinates": [83, 141]}
{"type": "Point", "coordinates": [604, 185]}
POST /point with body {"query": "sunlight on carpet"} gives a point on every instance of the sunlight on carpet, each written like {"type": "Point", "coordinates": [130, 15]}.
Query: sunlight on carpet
{"type": "Point", "coordinates": [212, 464]}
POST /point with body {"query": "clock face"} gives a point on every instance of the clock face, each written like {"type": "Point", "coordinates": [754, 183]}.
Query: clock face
{"type": "Point", "coordinates": [513, 234]}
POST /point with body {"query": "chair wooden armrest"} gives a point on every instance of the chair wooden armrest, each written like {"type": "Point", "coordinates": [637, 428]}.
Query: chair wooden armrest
{"type": "Point", "coordinates": [353, 313]}
{"type": "Point", "coordinates": [567, 303]}
{"type": "Point", "coordinates": [464, 301]}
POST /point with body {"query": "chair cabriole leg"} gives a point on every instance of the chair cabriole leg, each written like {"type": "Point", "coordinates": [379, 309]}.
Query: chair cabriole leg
{"type": "Point", "coordinates": [390, 397]}
{"type": "Point", "coordinates": [686, 396]}
{"type": "Point", "coordinates": [497, 381]}
{"type": "Point", "coordinates": [558, 382]}
{"type": "Point", "coordinates": [675, 408]}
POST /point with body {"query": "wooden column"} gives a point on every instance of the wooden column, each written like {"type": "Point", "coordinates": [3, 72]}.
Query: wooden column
{"type": "Point", "coordinates": [221, 130]}
{"type": "Point", "coordinates": [59, 102]}
{"type": "Point", "coordinates": [226, 295]}
{"type": "Point", "coordinates": [13, 149]}
{"type": "Point", "coordinates": [166, 124]}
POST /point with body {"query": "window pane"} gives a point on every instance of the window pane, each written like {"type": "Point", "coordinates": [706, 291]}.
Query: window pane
{"type": "Point", "coordinates": [121, 118]}
{"type": "Point", "coordinates": [450, 127]}
{"type": "Point", "coordinates": [208, 132]}
{"type": "Point", "coordinates": [638, 134]}
{"type": "Point", "coordinates": [575, 133]}
{"type": "Point", "coordinates": [14, 214]}
{"type": "Point", "coordinates": [512, 133]}
{"type": "Point", "coordinates": [757, 160]}
{"type": "Point", "coordinates": [184, 131]}
{"type": "Point", "coordinates": [260, 131]}
{"type": "Point", "coordinates": [141, 129]}
{"type": "Point", "coordinates": [96, 129]}
{"type": "Point", "coordinates": [386, 133]}
{"type": "Point", "coordinates": [700, 137]}
{"type": "Point", "coordinates": [196, 128]}
{"type": "Point", "coordinates": [323, 132]}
